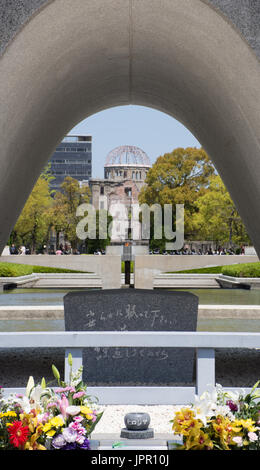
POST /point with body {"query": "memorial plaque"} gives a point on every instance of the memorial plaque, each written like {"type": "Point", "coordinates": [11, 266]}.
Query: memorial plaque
{"type": "Point", "coordinates": [130, 310]}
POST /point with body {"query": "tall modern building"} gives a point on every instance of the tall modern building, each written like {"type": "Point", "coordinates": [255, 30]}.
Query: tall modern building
{"type": "Point", "coordinates": [72, 157]}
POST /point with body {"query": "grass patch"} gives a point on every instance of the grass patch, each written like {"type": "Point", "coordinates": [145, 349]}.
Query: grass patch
{"type": "Point", "coordinates": [17, 269]}
{"type": "Point", "coordinates": [234, 270]}
{"type": "Point", "coordinates": [209, 270]}
{"type": "Point", "coordinates": [123, 266]}
{"type": "Point", "coordinates": [46, 269]}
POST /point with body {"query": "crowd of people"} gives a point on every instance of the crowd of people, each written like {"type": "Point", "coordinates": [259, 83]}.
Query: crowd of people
{"type": "Point", "coordinates": [67, 250]}
{"type": "Point", "coordinates": [200, 251]}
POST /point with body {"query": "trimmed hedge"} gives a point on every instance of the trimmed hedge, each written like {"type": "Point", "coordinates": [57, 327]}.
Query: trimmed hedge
{"type": "Point", "coordinates": [234, 270]}
{"type": "Point", "coordinates": [242, 270]}
{"type": "Point", "coordinates": [16, 270]}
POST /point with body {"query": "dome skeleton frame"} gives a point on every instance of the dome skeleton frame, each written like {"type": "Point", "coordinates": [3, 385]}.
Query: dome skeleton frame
{"type": "Point", "coordinates": [127, 155]}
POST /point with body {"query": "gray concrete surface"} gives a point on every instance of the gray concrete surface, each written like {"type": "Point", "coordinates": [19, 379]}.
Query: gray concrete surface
{"type": "Point", "coordinates": [234, 368]}
{"type": "Point", "coordinates": [108, 268]}
{"type": "Point", "coordinates": [148, 268]}
{"type": "Point", "coordinates": [76, 57]}
{"type": "Point", "coordinates": [56, 312]}
{"type": "Point", "coordinates": [243, 14]}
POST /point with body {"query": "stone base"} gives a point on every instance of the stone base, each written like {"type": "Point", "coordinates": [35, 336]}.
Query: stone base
{"type": "Point", "coordinates": [143, 434]}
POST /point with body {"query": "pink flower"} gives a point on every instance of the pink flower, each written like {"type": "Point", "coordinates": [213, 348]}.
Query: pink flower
{"type": "Point", "coordinates": [63, 404]}
{"type": "Point", "coordinates": [65, 389]}
{"type": "Point", "coordinates": [78, 419]}
{"type": "Point", "coordinates": [43, 418]}
{"type": "Point", "coordinates": [51, 405]}
{"type": "Point", "coordinates": [78, 395]}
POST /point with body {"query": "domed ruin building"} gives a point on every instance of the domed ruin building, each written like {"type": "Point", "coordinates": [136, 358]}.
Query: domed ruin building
{"type": "Point", "coordinates": [125, 171]}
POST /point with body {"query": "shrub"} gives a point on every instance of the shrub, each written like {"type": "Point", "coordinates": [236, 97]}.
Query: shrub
{"type": "Point", "coordinates": [14, 270]}
{"type": "Point", "coordinates": [242, 270]}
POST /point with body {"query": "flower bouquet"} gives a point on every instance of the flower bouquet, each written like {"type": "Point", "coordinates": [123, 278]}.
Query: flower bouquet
{"type": "Point", "coordinates": [49, 418]}
{"type": "Point", "coordinates": [220, 420]}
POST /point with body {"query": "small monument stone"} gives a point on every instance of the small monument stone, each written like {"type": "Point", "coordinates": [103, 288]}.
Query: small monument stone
{"type": "Point", "coordinates": [134, 310]}
{"type": "Point", "coordinates": [137, 426]}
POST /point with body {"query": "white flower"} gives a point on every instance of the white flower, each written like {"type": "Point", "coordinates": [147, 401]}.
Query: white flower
{"type": "Point", "coordinates": [73, 410]}
{"type": "Point", "coordinates": [36, 395]}
{"type": "Point", "coordinates": [29, 386]}
{"type": "Point", "coordinates": [252, 436]}
{"type": "Point", "coordinates": [223, 410]}
{"type": "Point", "coordinates": [238, 440]}
{"type": "Point", "coordinates": [22, 401]}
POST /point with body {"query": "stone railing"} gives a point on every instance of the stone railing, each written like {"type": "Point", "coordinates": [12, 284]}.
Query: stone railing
{"type": "Point", "coordinates": [73, 342]}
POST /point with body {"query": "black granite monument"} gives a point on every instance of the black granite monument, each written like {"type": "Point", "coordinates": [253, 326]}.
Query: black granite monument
{"type": "Point", "coordinates": [130, 310]}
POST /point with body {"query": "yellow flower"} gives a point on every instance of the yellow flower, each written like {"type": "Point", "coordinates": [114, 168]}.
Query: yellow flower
{"type": "Point", "coordinates": [8, 414]}
{"type": "Point", "coordinates": [51, 433]}
{"type": "Point", "coordinates": [50, 427]}
{"type": "Point", "coordinates": [46, 427]}
{"type": "Point", "coordinates": [247, 424]}
{"type": "Point", "coordinates": [85, 410]}
{"type": "Point", "coordinates": [184, 421]}
{"type": "Point", "coordinates": [198, 440]}
{"type": "Point", "coordinates": [32, 443]}
{"type": "Point", "coordinates": [30, 420]}
{"type": "Point", "coordinates": [57, 422]}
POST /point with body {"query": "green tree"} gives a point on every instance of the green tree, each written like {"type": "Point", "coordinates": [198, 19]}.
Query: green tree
{"type": "Point", "coordinates": [179, 177]}
{"type": "Point", "coordinates": [103, 221]}
{"type": "Point", "coordinates": [31, 229]}
{"type": "Point", "coordinates": [217, 218]}
{"type": "Point", "coordinates": [62, 215]}
{"type": "Point", "coordinates": [56, 216]}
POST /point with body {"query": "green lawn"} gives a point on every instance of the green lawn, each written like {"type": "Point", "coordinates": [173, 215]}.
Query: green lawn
{"type": "Point", "coordinates": [234, 270]}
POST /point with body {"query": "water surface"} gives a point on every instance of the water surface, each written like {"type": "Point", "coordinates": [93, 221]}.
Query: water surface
{"type": "Point", "coordinates": [42, 297]}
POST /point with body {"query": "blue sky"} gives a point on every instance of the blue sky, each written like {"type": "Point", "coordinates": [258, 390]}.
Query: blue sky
{"type": "Point", "coordinates": [154, 132]}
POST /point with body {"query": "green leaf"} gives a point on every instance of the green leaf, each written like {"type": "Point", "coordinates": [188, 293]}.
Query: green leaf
{"type": "Point", "coordinates": [56, 373]}
{"type": "Point", "coordinates": [70, 360]}
{"type": "Point", "coordinates": [43, 383]}
{"type": "Point", "coordinates": [93, 425]}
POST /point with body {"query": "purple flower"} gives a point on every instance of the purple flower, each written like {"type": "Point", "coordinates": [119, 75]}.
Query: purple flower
{"type": "Point", "coordinates": [70, 434]}
{"type": "Point", "coordinates": [74, 446]}
{"type": "Point", "coordinates": [232, 405]}
{"type": "Point", "coordinates": [85, 445]}
{"type": "Point", "coordinates": [70, 446]}
{"type": "Point", "coordinates": [58, 442]}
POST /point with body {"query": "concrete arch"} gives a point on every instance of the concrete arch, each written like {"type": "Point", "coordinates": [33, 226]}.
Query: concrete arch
{"type": "Point", "coordinates": [77, 57]}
